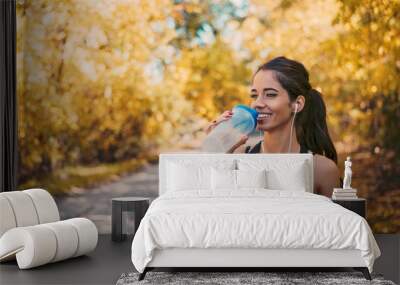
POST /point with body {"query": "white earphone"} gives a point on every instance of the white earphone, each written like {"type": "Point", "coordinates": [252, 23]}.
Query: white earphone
{"type": "Point", "coordinates": [295, 108]}
{"type": "Point", "coordinates": [291, 127]}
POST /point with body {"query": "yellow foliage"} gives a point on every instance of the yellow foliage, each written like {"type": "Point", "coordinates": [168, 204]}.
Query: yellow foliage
{"type": "Point", "coordinates": [103, 81]}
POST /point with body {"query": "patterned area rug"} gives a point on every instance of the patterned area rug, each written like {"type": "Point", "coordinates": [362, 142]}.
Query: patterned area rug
{"type": "Point", "coordinates": [229, 278]}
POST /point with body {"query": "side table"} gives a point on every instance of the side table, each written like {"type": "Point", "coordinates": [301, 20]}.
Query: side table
{"type": "Point", "coordinates": [358, 205]}
{"type": "Point", "coordinates": [127, 212]}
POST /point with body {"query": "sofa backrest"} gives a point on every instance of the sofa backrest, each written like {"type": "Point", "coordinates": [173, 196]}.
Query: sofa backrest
{"type": "Point", "coordinates": [284, 166]}
{"type": "Point", "coordinates": [26, 208]}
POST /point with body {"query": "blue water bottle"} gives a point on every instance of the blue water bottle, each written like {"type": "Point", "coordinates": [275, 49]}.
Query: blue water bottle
{"type": "Point", "coordinates": [227, 133]}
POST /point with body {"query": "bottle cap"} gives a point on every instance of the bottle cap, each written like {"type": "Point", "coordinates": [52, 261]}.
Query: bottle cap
{"type": "Point", "coordinates": [242, 124]}
{"type": "Point", "coordinates": [252, 111]}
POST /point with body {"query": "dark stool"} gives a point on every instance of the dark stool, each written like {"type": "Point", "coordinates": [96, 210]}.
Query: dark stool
{"type": "Point", "coordinates": [127, 212]}
{"type": "Point", "coordinates": [358, 205]}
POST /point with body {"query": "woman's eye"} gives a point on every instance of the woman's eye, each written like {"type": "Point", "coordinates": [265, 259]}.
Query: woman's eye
{"type": "Point", "coordinates": [254, 96]}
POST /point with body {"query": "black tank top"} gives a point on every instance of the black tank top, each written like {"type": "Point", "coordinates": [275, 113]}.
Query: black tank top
{"type": "Point", "coordinates": [257, 148]}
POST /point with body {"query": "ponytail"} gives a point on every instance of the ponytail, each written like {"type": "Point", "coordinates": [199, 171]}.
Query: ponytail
{"type": "Point", "coordinates": [312, 130]}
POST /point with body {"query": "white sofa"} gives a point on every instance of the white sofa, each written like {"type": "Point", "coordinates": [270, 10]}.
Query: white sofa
{"type": "Point", "coordinates": [31, 231]}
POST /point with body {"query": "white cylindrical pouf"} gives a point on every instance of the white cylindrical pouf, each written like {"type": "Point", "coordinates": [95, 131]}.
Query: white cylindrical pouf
{"type": "Point", "coordinates": [87, 234]}
{"type": "Point", "coordinates": [45, 205]}
{"type": "Point", "coordinates": [35, 245]}
{"type": "Point", "coordinates": [23, 207]}
{"type": "Point", "coordinates": [7, 218]}
{"type": "Point", "coordinates": [67, 239]}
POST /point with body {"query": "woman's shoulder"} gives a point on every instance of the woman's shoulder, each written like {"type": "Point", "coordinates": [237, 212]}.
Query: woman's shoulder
{"type": "Point", "coordinates": [326, 175]}
{"type": "Point", "coordinates": [325, 166]}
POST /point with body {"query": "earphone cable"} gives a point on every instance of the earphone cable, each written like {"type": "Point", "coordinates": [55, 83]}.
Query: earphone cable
{"type": "Point", "coordinates": [291, 131]}
{"type": "Point", "coordinates": [290, 137]}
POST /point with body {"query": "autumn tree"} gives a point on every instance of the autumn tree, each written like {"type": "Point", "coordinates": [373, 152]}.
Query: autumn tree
{"type": "Point", "coordinates": [86, 81]}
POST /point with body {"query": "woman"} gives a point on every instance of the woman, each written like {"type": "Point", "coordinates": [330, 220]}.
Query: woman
{"type": "Point", "coordinates": [292, 116]}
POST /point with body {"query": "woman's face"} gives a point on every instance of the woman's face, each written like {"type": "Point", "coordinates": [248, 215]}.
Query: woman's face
{"type": "Point", "coordinates": [270, 100]}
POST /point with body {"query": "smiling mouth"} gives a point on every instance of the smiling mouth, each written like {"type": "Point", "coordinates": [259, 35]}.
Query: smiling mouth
{"type": "Point", "coordinates": [263, 116]}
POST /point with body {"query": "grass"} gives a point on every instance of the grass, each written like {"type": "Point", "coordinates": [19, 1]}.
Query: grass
{"type": "Point", "coordinates": [61, 181]}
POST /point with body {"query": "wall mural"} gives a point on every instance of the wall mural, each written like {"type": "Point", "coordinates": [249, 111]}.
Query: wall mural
{"type": "Point", "coordinates": [104, 86]}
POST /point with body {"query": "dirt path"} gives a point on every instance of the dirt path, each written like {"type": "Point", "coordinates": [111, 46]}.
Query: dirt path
{"type": "Point", "coordinates": [95, 203]}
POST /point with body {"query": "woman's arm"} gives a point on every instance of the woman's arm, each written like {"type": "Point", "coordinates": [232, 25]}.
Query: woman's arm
{"type": "Point", "coordinates": [326, 175]}
{"type": "Point", "coordinates": [226, 115]}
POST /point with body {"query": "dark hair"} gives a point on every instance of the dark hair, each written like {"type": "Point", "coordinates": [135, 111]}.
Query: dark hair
{"type": "Point", "coordinates": [311, 128]}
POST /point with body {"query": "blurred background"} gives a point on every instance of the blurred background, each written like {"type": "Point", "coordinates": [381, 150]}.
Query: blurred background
{"type": "Point", "coordinates": [105, 86]}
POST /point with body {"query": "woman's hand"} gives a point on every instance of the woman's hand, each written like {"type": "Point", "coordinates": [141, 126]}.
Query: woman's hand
{"type": "Point", "coordinates": [242, 141]}
{"type": "Point", "coordinates": [223, 117]}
